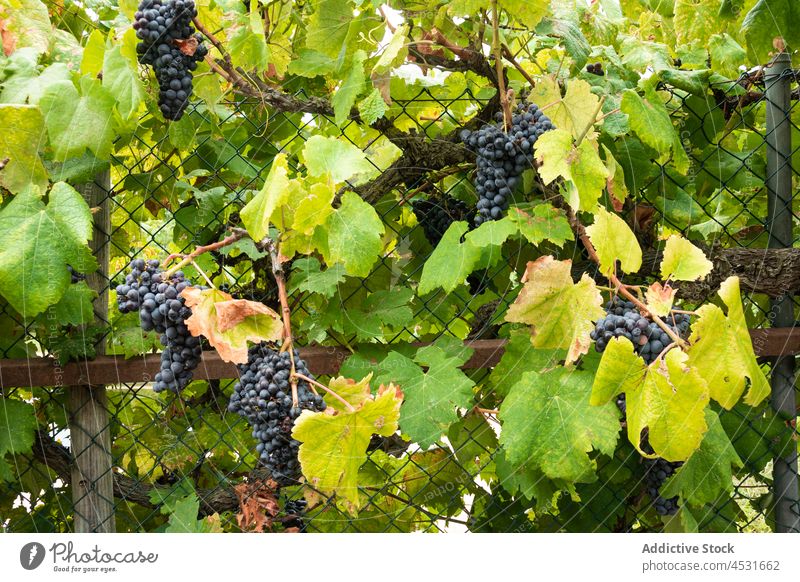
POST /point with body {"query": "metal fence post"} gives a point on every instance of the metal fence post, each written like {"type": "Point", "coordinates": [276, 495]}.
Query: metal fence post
{"type": "Point", "coordinates": [90, 438]}
{"type": "Point", "coordinates": [779, 192]}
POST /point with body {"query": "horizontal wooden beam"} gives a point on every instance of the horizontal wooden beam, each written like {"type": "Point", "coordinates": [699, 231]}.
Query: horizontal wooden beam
{"type": "Point", "coordinates": [322, 361]}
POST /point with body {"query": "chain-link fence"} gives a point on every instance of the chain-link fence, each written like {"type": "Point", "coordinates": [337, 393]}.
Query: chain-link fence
{"type": "Point", "coordinates": [123, 455]}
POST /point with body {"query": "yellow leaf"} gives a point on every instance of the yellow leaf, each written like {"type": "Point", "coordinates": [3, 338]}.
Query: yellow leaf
{"type": "Point", "coordinates": [660, 298]}
{"type": "Point", "coordinates": [683, 261]}
{"type": "Point", "coordinates": [614, 241]}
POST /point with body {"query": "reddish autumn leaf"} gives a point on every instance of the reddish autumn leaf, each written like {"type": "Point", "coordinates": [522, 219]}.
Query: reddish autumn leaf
{"type": "Point", "coordinates": [187, 46]}
{"type": "Point", "coordinates": [228, 323]}
{"type": "Point", "coordinates": [258, 505]}
{"type": "Point", "coordinates": [9, 40]}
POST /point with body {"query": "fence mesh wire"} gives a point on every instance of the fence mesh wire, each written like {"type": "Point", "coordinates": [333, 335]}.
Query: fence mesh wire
{"type": "Point", "coordinates": [164, 201]}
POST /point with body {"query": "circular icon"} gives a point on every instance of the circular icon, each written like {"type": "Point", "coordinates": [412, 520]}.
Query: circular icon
{"type": "Point", "coordinates": [31, 555]}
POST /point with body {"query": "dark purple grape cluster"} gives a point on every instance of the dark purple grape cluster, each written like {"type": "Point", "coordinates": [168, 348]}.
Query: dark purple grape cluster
{"type": "Point", "coordinates": [263, 396]}
{"type": "Point", "coordinates": [623, 319]}
{"type": "Point", "coordinates": [295, 510]}
{"type": "Point", "coordinates": [161, 308]}
{"type": "Point", "coordinates": [160, 26]}
{"type": "Point", "coordinates": [502, 157]}
{"type": "Point", "coordinates": [657, 471]}
{"type": "Point", "coordinates": [436, 215]}
{"type": "Point", "coordinates": [74, 276]}
{"type": "Point", "coordinates": [595, 69]}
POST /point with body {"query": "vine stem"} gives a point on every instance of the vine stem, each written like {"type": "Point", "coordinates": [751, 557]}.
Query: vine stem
{"type": "Point", "coordinates": [236, 235]}
{"type": "Point", "coordinates": [328, 390]}
{"type": "Point", "coordinates": [591, 123]}
{"type": "Point", "coordinates": [498, 63]}
{"type": "Point", "coordinates": [579, 229]}
{"type": "Point", "coordinates": [487, 410]}
{"type": "Point", "coordinates": [510, 58]}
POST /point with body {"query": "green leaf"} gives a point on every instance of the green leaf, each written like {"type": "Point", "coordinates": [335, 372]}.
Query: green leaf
{"type": "Point", "coordinates": [77, 120]}
{"type": "Point", "coordinates": [707, 473]}
{"type": "Point", "coordinates": [17, 431]}
{"type": "Point", "coordinates": [381, 308]}
{"type": "Point", "coordinates": [93, 54]}
{"type": "Point", "coordinates": [614, 241]}
{"type": "Point", "coordinates": [354, 236]}
{"type": "Point", "coordinates": [121, 78]}
{"type": "Point", "coordinates": [433, 397]}
{"type": "Point", "coordinates": [352, 86]}
{"type": "Point", "coordinates": [311, 63]}
{"type": "Point", "coordinates": [307, 275]}
{"type": "Point", "coordinates": [545, 424]}
{"type": "Point", "coordinates": [683, 261]}
{"type": "Point", "coordinates": [492, 233]}
{"type": "Point", "coordinates": [334, 446]}
{"type": "Point", "coordinates": [247, 44]}
{"type": "Point", "coordinates": [527, 12]}
{"type": "Point", "coordinates": [75, 306]}
{"type": "Point", "coordinates": [372, 107]}
{"type": "Point", "coordinates": [183, 518]}
{"type": "Point", "coordinates": [395, 52]}
{"type": "Point", "coordinates": [38, 241]}
{"type": "Point", "coordinates": [329, 26]}
{"type": "Point", "coordinates": [23, 129]}
{"type": "Point", "coordinates": [577, 110]}
{"type": "Point", "coordinates": [582, 166]}
{"type": "Point", "coordinates": [722, 350]}
{"type": "Point", "coordinates": [620, 370]}
{"type": "Point", "coordinates": [542, 222]}
{"type": "Point", "coordinates": [559, 311]}
{"type": "Point", "coordinates": [335, 158]}
{"type": "Point", "coordinates": [767, 20]}
{"type": "Point", "coordinates": [450, 263]}
{"type": "Point", "coordinates": [652, 124]}
{"type": "Point", "coordinates": [727, 55]}
{"type": "Point", "coordinates": [519, 356]}
{"type": "Point", "coordinates": [257, 213]}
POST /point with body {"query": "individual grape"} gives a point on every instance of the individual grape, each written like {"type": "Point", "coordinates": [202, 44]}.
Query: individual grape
{"type": "Point", "coordinates": [263, 396]}
{"type": "Point", "coordinates": [502, 157]}
{"type": "Point", "coordinates": [163, 26]}
{"type": "Point", "coordinates": [595, 69]}
{"type": "Point", "coordinates": [295, 510]}
{"type": "Point", "coordinates": [162, 309]}
{"type": "Point", "coordinates": [436, 215]}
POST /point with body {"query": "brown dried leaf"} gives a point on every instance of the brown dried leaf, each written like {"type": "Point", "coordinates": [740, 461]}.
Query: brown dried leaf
{"type": "Point", "coordinates": [187, 46]}
{"type": "Point", "coordinates": [258, 505]}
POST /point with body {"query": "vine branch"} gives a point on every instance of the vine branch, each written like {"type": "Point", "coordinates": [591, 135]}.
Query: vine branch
{"type": "Point", "coordinates": [498, 63]}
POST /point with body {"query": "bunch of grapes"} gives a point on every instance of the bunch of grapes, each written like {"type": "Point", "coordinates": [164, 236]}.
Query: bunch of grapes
{"type": "Point", "coordinates": [164, 28]}
{"type": "Point", "coordinates": [623, 319]}
{"type": "Point", "coordinates": [436, 215]}
{"type": "Point", "coordinates": [74, 276]}
{"type": "Point", "coordinates": [657, 471]}
{"type": "Point", "coordinates": [161, 308]}
{"type": "Point", "coordinates": [595, 69]}
{"type": "Point", "coordinates": [502, 157]}
{"type": "Point", "coordinates": [263, 396]}
{"type": "Point", "coordinates": [295, 510]}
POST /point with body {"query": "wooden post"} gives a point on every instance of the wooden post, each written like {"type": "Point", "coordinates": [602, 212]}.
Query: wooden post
{"type": "Point", "coordinates": [90, 438]}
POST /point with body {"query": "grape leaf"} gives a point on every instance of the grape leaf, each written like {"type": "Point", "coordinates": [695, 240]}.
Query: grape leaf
{"type": "Point", "coordinates": [559, 311]}
{"type": "Point", "coordinates": [337, 159]}
{"type": "Point", "coordinates": [722, 351]}
{"type": "Point", "coordinates": [667, 399]}
{"type": "Point", "coordinates": [660, 298]}
{"type": "Point", "coordinates": [228, 323]}
{"type": "Point", "coordinates": [23, 128]}
{"type": "Point", "coordinates": [77, 120]}
{"type": "Point", "coordinates": [395, 52]}
{"type": "Point", "coordinates": [581, 165]}
{"type": "Point", "coordinates": [75, 306]}
{"type": "Point", "coordinates": [769, 19]}
{"type": "Point", "coordinates": [577, 110]}
{"type": "Point", "coordinates": [451, 261]}
{"type": "Point", "coordinates": [683, 261]}
{"type": "Point", "coordinates": [38, 241]}
{"type": "Point", "coordinates": [542, 222]}
{"type": "Point", "coordinates": [492, 233]}
{"type": "Point", "coordinates": [707, 473]}
{"type": "Point", "coordinates": [310, 63]}
{"type": "Point", "coordinates": [354, 236]}
{"type": "Point", "coordinates": [528, 482]}
{"type": "Point", "coordinates": [329, 26]}
{"type": "Point", "coordinates": [121, 77]}
{"type": "Point", "coordinates": [17, 430]}
{"type": "Point", "coordinates": [652, 124]}
{"type": "Point", "coordinates": [27, 24]}
{"type": "Point", "coordinates": [334, 443]}
{"type": "Point", "coordinates": [183, 517]}
{"type": "Point", "coordinates": [381, 308]}
{"type": "Point", "coordinates": [372, 107]}
{"type": "Point", "coordinates": [614, 241]}
{"type": "Point", "coordinates": [519, 356]}
{"type": "Point", "coordinates": [355, 393]}
{"type": "Point", "coordinates": [313, 208]}
{"type": "Point", "coordinates": [93, 52]}
{"type": "Point", "coordinates": [307, 275]}
{"type": "Point", "coordinates": [257, 213]}
{"type": "Point", "coordinates": [432, 397]}
{"type": "Point", "coordinates": [544, 424]}
{"type": "Point", "coordinates": [352, 86]}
